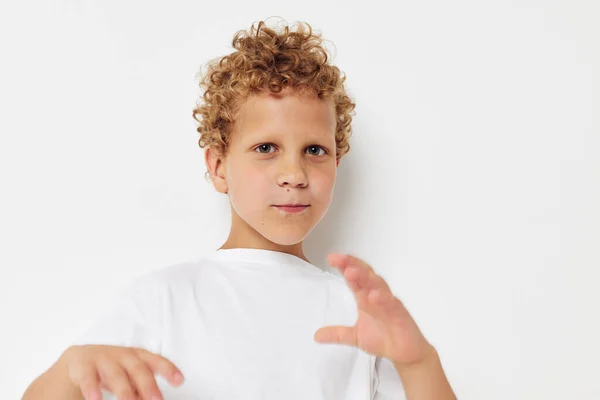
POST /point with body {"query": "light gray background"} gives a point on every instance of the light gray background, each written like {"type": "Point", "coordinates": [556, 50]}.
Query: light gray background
{"type": "Point", "coordinates": [472, 187]}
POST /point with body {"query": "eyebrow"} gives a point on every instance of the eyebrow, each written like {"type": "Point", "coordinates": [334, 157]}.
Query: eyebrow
{"type": "Point", "coordinates": [315, 136]}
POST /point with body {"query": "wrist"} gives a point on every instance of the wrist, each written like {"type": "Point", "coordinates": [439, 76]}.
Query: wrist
{"type": "Point", "coordinates": [430, 357]}
{"type": "Point", "coordinates": [426, 379]}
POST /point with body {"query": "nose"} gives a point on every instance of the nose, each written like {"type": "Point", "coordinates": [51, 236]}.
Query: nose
{"type": "Point", "coordinates": [292, 174]}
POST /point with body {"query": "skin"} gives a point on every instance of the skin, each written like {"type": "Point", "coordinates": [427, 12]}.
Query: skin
{"type": "Point", "coordinates": [290, 171]}
{"type": "Point", "coordinates": [282, 150]}
{"type": "Point", "coordinates": [386, 329]}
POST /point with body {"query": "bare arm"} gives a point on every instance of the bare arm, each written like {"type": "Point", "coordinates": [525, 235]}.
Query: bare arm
{"type": "Point", "coordinates": [53, 384]}
{"type": "Point", "coordinates": [426, 381]}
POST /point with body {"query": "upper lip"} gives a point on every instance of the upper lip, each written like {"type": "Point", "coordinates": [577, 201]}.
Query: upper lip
{"type": "Point", "coordinates": [291, 205]}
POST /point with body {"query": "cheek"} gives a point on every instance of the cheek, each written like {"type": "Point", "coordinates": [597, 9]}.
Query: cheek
{"type": "Point", "coordinates": [250, 184]}
{"type": "Point", "coordinates": [322, 182]}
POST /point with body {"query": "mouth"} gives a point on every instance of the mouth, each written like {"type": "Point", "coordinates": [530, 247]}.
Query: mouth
{"type": "Point", "coordinates": [292, 208]}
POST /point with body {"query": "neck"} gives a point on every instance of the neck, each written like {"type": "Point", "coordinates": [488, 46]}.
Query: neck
{"type": "Point", "coordinates": [242, 235]}
{"type": "Point", "coordinates": [295, 250]}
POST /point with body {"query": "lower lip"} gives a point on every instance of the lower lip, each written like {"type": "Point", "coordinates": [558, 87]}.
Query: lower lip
{"type": "Point", "coordinates": [292, 209]}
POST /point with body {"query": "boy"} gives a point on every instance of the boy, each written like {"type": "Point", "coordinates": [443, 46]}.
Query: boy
{"type": "Point", "coordinates": [255, 319]}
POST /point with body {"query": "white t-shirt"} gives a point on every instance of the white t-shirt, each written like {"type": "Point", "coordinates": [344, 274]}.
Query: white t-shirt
{"type": "Point", "coordinates": [239, 324]}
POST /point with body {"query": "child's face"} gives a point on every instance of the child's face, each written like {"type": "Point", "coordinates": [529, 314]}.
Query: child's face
{"type": "Point", "coordinates": [282, 151]}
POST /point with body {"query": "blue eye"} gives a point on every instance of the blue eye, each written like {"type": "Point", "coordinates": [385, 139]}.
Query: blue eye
{"type": "Point", "coordinates": [317, 147]}
{"type": "Point", "coordinates": [312, 147]}
{"type": "Point", "coordinates": [262, 146]}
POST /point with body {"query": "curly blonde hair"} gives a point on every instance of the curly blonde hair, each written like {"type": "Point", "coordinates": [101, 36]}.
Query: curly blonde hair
{"type": "Point", "coordinates": [268, 60]}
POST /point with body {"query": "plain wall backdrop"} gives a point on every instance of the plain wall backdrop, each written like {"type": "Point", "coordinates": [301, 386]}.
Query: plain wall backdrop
{"type": "Point", "coordinates": [472, 185]}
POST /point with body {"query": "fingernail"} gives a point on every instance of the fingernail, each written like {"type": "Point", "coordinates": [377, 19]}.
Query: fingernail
{"type": "Point", "coordinates": [177, 377]}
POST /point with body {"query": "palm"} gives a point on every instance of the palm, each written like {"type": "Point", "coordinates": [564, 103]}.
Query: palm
{"type": "Point", "coordinates": [384, 327]}
{"type": "Point", "coordinates": [371, 333]}
{"type": "Point", "coordinates": [389, 336]}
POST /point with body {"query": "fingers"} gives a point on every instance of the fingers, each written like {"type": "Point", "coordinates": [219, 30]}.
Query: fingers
{"type": "Point", "coordinates": [365, 279]}
{"type": "Point", "coordinates": [142, 377]}
{"type": "Point", "coordinates": [127, 372]}
{"type": "Point", "coordinates": [160, 365]}
{"type": "Point", "coordinates": [342, 261]}
{"type": "Point", "coordinates": [115, 378]}
{"type": "Point", "coordinates": [89, 383]}
{"type": "Point", "coordinates": [357, 262]}
{"type": "Point", "coordinates": [370, 290]}
{"type": "Point", "coordinates": [360, 274]}
{"type": "Point", "coordinates": [337, 334]}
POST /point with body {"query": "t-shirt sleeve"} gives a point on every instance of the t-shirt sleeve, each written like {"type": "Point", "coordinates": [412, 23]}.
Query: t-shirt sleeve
{"type": "Point", "coordinates": [133, 319]}
{"type": "Point", "coordinates": [388, 385]}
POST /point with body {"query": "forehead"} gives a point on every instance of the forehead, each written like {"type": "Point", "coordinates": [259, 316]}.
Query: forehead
{"type": "Point", "coordinates": [286, 113]}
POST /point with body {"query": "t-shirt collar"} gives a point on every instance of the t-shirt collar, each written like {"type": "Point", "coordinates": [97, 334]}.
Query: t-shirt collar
{"type": "Point", "coordinates": [261, 256]}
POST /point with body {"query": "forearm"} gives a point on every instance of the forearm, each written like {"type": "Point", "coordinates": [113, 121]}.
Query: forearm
{"type": "Point", "coordinates": [426, 381]}
{"type": "Point", "coordinates": [53, 384]}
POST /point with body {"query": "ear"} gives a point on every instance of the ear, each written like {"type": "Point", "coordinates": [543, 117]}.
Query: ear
{"type": "Point", "coordinates": [337, 163]}
{"type": "Point", "coordinates": [216, 169]}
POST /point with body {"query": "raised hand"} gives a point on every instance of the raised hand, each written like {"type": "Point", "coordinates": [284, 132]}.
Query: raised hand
{"type": "Point", "coordinates": [384, 326]}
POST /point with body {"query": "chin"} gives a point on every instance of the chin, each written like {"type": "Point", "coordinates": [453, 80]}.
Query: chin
{"type": "Point", "coordinates": [286, 237]}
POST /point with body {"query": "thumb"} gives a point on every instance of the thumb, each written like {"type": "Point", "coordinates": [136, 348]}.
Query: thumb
{"type": "Point", "coordinates": [337, 335]}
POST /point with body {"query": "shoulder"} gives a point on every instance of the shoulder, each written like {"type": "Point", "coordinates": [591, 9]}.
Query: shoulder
{"type": "Point", "coordinates": [177, 278]}
{"type": "Point", "coordinates": [166, 278]}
